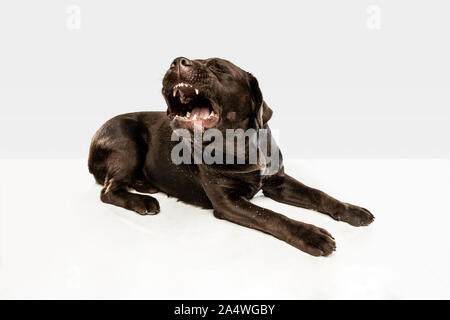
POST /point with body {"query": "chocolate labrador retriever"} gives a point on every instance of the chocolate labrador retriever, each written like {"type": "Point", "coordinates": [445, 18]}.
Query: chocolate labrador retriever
{"type": "Point", "coordinates": [135, 151]}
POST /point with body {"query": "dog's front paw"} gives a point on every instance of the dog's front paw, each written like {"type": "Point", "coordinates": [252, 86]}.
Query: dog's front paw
{"type": "Point", "coordinates": [354, 215]}
{"type": "Point", "coordinates": [313, 240]}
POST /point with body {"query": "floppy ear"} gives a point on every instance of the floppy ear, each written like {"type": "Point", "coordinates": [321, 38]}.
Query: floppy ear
{"type": "Point", "coordinates": [264, 114]}
{"type": "Point", "coordinates": [262, 110]}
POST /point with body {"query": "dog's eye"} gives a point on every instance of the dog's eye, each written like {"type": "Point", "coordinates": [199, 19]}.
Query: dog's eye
{"type": "Point", "coordinates": [217, 67]}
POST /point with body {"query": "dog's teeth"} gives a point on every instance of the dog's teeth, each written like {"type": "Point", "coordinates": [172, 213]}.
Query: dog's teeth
{"type": "Point", "coordinates": [211, 114]}
{"type": "Point", "coordinates": [196, 91]}
{"type": "Point", "coordinates": [174, 92]}
{"type": "Point", "coordinates": [188, 114]}
{"type": "Point", "coordinates": [194, 117]}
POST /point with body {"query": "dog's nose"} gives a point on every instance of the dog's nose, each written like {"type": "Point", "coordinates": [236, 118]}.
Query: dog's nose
{"type": "Point", "coordinates": [181, 63]}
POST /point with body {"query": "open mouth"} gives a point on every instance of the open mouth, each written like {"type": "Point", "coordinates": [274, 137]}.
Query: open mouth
{"type": "Point", "coordinates": [189, 107]}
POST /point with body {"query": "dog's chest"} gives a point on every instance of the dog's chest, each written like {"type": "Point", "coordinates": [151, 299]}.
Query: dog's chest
{"type": "Point", "coordinates": [248, 184]}
{"type": "Point", "coordinates": [254, 188]}
{"type": "Point", "coordinates": [243, 180]}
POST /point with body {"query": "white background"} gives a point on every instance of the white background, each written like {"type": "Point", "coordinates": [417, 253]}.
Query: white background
{"type": "Point", "coordinates": [338, 88]}
{"type": "Point", "coordinates": [341, 91]}
{"type": "Point", "coordinates": [59, 241]}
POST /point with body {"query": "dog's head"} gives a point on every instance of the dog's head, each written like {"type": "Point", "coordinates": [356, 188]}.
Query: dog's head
{"type": "Point", "coordinates": [213, 93]}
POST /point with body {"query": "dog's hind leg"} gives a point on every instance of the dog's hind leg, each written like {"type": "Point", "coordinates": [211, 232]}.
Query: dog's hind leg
{"type": "Point", "coordinates": [140, 185]}
{"type": "Point", "coordinates": [283, 188]}
{"type": "Point", "coordinates": [116, 193]}
{"type": "Point", "coordinates": [121, 169]}
{"type": "Point", "coordinates": [116, 160]}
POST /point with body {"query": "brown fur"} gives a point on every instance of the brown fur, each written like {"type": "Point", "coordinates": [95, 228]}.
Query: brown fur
{"type": "Point", "coordinates": [133, 151]}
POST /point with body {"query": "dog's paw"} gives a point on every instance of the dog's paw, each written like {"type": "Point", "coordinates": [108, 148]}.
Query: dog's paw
{"type": "Point", "coordinates": [354, 215]}
{"type": "Point", "coordinates": [143, 187]}
{"type": "Point", "coordinates": [313, 240]}
{"type": "Point", "coordinates": [145, 205]}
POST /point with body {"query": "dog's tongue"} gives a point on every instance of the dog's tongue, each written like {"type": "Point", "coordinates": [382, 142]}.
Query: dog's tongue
{"type": "Point", "coordinates": [199, 113]}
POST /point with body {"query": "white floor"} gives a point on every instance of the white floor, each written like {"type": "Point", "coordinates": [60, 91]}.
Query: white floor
{"type": "Point", "coordinates": [58, 240]}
